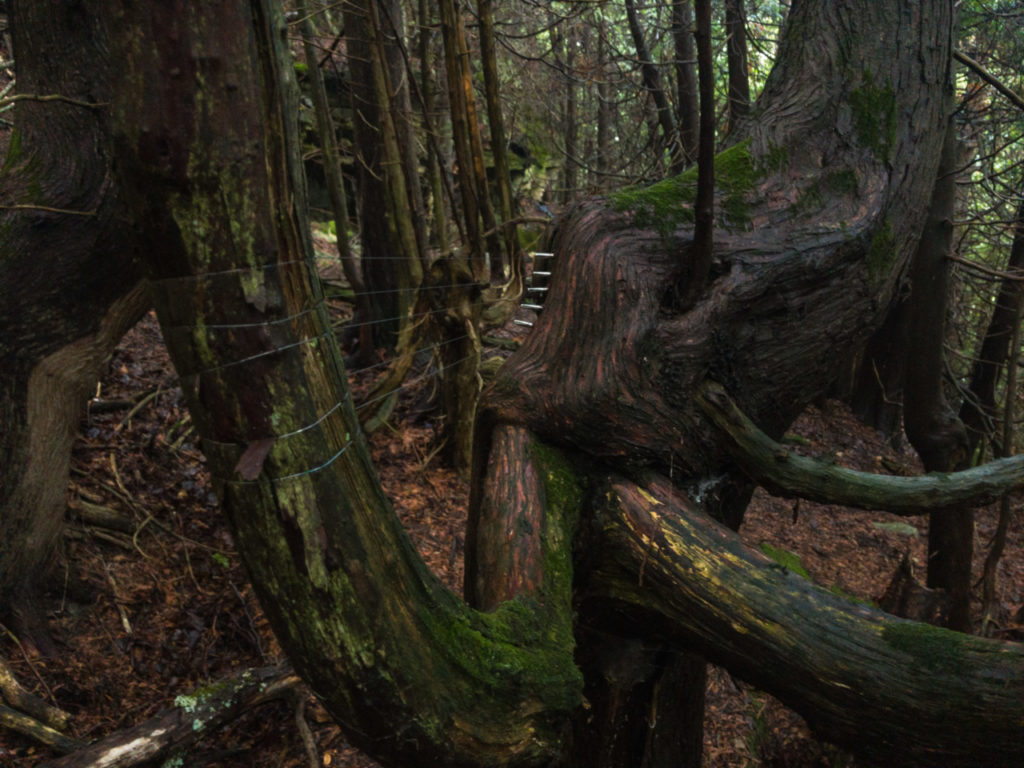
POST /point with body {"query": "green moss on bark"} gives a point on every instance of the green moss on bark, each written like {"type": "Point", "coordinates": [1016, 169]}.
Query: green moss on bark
{"type": "Point", "coordinates": [669, 204]}
{"type": "Point", "coordinates": [874, 116]}
{"type": "Point", "coordinates": [816, 195]}
{"type": "Point", "coordinates": [934, 648]}
{"type": "Point", "coordinates": [788, 560]}
{"type": "Point", "coordinates": [882, 252]}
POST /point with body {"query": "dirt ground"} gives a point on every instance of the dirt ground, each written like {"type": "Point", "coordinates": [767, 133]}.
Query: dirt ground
{"type": "Point", "coordinates": [155, 603]}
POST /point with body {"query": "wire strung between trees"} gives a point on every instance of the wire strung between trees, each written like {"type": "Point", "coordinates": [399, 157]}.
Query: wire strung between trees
{"type": "Point", "coordinates": [349, 441]}
{"type": "Point", "coordinates": [320, 421]}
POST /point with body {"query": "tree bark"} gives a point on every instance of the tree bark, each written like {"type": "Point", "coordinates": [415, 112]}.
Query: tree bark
{"type": "Point", "coordinates": [462, 115]}
{"type": "Point", "coordinates": [168, 735]}
{"type": "Point", "coordinates": [695, 260]}
{"type": "Point", "coordinates": [250, 337]}
{"type": "Point", "coordinates": [499, 144]}
{"type": "Point", "coordinates": [875, 388]}
{"type": "Point", "coordinates": [736, 59]}
{"type": "Point", "coordinates": [390, 255]}
{"type": "Point", "coordinates": [571, 124]}
{"type": "Point", "coordinates": [604, 95]}
{"type": "Point", "coordinates": [835, 285]}
{"type": "Point", "coordinates": [336, 193]}
{"type": "Point", "coordinates": [436, 163]}
{"type": "Point", "coordinates": [930, 423]}
{"type": "Point", "coordinates": [884, 688]}
{"type": "Point", "coordinates": [977, 412]}
{"type": "Point", "coordinates": [69, 286]}
{"type": "Point", "coordinates": [687, 105]}
{"type": "Point", "coordinates": [785, 473]}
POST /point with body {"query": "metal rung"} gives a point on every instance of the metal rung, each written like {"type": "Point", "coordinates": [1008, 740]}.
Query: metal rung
{"type": "Point", "coordinates": [527, 323]}
{"type": "Point", "coordinates": [536, 273]}
{"type": "Point", "coordinates": [531, 306]}
{"type": "Point", "coordinates": [542, 253]}
{"type": "Point", "coordinates": [537, 288]}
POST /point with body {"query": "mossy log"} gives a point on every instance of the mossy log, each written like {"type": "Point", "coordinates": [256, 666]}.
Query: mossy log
{"type": "Point", "coordinates": [169, 734]}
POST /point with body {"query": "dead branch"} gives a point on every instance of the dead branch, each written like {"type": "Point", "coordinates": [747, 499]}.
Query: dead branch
{"type": "Point", "coordinates": [174, 730]}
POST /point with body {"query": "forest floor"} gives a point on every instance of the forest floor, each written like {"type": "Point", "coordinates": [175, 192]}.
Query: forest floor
{"type": "Point", "coordinates": [158, 608]}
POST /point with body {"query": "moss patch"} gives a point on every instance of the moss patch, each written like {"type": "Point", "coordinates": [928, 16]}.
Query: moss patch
{"type": "Point", "coordinates": [882, 251]}
{"type": "Point", "coordinates": [874, 115]}
{"type": "Point", "coordinates": [662, 206]}
{"type": "Point", "coordinates": [668, 204]}
{"type": "Point", "coordinates": [934, 648]}
{"type": "Point", "coordinates": [775, 160]}
{"type": "Point", "coordinates": [788, 560]}
{"type": "Point", "coordinates": [816, 195]}
{"type": "Point", "coordinates": [527, 643]}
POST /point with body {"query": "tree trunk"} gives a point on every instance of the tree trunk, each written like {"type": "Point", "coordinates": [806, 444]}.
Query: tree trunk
{"type": "Point", "coordinates": [390, 255]}
{"type": "Point", "coordinates": [875, 387]}
{"type": "Point", "coordinates": [476, 172]}
{"type": "Point", "coordinates": [243, 320]}
{"type": "Point", "coordinates": [736, 58]}
{"type": "Point", "coordinates": [571, 127]}
{"type": "Point", "coordinates": [69, 285]}
{"type": "Point", "coordinates": [977, 411]}
{"type": "Point", "coordinates": [336, 193]}
{"type": "Point", "coordinates": [499, 148]}
{"type": "Point", "coordinates": [462, 116]}
{"type": "Point", "coordinates": [604, 107]}
{"type": "Point", "coordinates": [695, 259]}
{"type": "Point", "coordinates": [687, 109]}
{"type": "Point", "coordinates": [436, 163]}
{"type": "Point", "coordinates": [652, 82]}
{"type": "Point", "coordinates": [931, 425]}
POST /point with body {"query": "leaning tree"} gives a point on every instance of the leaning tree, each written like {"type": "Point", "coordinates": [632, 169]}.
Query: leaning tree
{"type": "Point", "coordinates": [610, 446]}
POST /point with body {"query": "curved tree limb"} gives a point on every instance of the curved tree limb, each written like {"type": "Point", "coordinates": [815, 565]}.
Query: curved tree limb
{"type": "Point", "coordinates": [783, 472]}
{"type": "Point", "coordinates": [887, 689]}
{"type": "Point", "coordinates": [410, 671]}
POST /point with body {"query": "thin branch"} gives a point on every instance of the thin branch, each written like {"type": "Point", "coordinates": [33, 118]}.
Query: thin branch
{"type": "Point", "coordinates": [53, 97]}
{"type": "Point", "coordinates": [989, 78]}
{"type": "Point", "coordinates": [45, 208]}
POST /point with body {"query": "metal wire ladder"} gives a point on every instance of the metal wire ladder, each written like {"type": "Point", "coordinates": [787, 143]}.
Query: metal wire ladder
{"type": "Point", "coordinates": [537, 284]}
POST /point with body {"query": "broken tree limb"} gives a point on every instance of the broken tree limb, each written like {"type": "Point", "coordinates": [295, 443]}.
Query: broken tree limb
{"type": "Point", "coordinates": [27, 702]}
{"type": "Point", "coordinates": [29, 726]}
{"type": "Point", "coordinates": [174, 730]}
{"type": "Point", "coordinates": [783, 472]}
